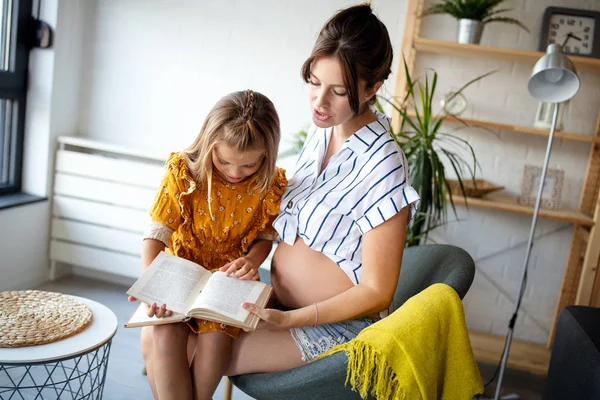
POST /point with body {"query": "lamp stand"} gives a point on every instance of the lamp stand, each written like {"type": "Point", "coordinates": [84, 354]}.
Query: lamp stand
{"type": "Point", "coordinates": [521, 291]}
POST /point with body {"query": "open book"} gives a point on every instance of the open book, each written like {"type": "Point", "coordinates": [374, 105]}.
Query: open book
{"type": "Point", "coordinates": [190, 291]}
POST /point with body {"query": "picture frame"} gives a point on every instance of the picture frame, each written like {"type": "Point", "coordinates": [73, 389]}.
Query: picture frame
{"type": "Point", "coordinates": [552, 192]}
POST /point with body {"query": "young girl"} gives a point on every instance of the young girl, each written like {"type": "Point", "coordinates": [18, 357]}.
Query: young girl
{"type": "Point", "coordinates": [215, 207]}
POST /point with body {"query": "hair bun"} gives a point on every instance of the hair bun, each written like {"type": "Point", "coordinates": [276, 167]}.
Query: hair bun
{"type": "Point", "coordinates": [365, 10]}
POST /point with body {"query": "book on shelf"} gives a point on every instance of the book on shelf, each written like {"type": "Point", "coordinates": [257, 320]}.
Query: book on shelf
{"type": "Point", "coordinates": [191, 291]}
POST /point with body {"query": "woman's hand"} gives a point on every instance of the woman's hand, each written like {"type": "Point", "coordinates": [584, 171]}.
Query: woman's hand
{"type": "Point", "coordinates": [242, 268]}
{"type": "Point", "coordinates": [270, 318]}
{"type": "Point", "coordinates": [153, 310]}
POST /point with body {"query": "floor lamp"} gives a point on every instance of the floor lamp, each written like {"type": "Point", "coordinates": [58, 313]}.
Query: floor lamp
{"type": "Point", "coordinates": [553, 80]}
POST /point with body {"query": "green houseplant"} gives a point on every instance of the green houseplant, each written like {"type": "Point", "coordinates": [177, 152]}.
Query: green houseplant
{"type": "Point", "coordinates": [472, 16]}
{"type": "Point", "coordinates": [295, 144]}
{"type": "Point", "coordinates": [425, 145]}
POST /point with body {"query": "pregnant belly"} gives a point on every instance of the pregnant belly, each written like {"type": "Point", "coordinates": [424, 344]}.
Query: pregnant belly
{"type": "Point", "coordinates": [301, 276]}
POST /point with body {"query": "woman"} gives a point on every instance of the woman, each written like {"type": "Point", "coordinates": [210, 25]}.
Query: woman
{"type": "Point", "coordinates": [343, 217]}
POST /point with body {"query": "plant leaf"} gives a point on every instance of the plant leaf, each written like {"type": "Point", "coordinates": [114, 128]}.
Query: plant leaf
{"type": "Point", "coordinates": [424, 143]}
{"type": "Point", "coordinates": [472, 81]}
{"type": "Point", "coordinates": [480, 10]}
{"type": "Point", "coordinates": [507, 20]}
{"type": "Point", "coordinates": [500, 11]}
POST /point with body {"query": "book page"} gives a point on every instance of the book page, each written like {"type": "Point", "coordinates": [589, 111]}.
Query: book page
{"type": "Point", "coordinates": [225, 295]}
{"type": "Point", "coordinates": [170, 280]}
{"type": "Point", "coordinates": [140, 318]}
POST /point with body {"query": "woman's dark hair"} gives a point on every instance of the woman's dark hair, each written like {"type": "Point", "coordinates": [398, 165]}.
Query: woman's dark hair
{"type": "Point", "coordinates": [361, 43]}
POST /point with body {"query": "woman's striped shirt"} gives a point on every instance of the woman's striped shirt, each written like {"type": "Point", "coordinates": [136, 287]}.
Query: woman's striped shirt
{"type": "Point", "coordinates": [364, 184]}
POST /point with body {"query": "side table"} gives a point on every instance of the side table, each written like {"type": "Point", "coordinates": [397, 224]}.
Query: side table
{"type": "Point", "coordinates": [72, 368]}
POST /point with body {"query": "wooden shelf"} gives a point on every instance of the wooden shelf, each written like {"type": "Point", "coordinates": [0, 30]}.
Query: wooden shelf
{"type": "Point", "coordinates": [504, 203]}
{"type": "Point", "coordinates": [521, 129]}
{"type": "Point", "coordinates": [582, 262]}
{"type": "Point", "coordinates": [497, 53]}
{"type": "Point", "coordinates": [523, 355]}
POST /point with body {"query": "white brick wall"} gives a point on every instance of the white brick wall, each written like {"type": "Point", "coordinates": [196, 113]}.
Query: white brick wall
{"type": "Point", "coordinates": [497, 239]}
{"type": "Point", "coordinates": [153, 69]}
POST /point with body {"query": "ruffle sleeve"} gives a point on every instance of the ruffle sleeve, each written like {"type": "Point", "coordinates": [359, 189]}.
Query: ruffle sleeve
{"type": "Point", "coordinates": [167, 207]}
{"type": "Point", "coordinates": [386, 193]}
{"type": "Point", "coordinates": [262, 226]}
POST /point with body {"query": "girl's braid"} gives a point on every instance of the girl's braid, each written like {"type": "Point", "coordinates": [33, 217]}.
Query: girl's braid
{"type": "Point", "coordinates": [249, 109]}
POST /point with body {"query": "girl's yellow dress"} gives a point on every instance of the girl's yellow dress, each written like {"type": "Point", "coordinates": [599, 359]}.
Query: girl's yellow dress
{"type": "Point", "coordinates": [239, 216]}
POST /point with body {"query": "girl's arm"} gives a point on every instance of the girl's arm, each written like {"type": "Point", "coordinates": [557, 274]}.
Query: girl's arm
{"type": "Point", "coordinates": [150, 249]}
{"type": "Point", "coordinates": [247, 267]}
{"type": "Point", "coordinates": [382, 250]}
{"type": "Point", "coordinates": [259, 251]}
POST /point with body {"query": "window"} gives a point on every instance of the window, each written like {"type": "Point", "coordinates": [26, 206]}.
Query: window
{"type": "Point", "coordinates": [15, 23]}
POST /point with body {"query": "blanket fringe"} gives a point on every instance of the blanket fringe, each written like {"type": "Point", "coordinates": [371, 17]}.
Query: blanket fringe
{"type": "Point", "coordinates": [368, 369]}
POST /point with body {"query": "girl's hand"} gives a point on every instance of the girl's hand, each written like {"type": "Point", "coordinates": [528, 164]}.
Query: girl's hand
{"type": "Point", "coordinates": [270, 318]}
{"type": "Point", "coordinates": [153, 310]}
{"type": "Point", "coordinates": [242, 268]}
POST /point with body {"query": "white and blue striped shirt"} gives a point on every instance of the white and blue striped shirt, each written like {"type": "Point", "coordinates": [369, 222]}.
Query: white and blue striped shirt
{"type": "Point", "coordinates": [365, 183]}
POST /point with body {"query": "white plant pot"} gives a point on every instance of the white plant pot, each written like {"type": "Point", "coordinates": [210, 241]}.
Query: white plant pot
{"type": "Point", "coordinates": [469, 31]}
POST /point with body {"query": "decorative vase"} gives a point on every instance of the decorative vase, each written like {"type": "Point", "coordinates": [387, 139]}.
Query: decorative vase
{"type": "Point", "coordinates": [469, 31]}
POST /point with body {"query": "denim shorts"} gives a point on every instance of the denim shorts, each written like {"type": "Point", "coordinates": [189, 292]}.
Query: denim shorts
{"type": "Point", "coordinates": [315, 340]}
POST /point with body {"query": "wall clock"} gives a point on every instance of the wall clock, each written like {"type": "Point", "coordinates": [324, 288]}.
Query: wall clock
{"type": "Point", "coordinates": [577, 31]}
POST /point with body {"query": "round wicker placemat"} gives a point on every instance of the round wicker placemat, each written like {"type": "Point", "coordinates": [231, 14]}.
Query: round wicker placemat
{"type": "Point", "coordinates": [32, 317]}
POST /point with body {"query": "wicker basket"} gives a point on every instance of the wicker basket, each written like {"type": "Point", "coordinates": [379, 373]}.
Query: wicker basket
{"type": "Point", "coordinates": [479, 188]}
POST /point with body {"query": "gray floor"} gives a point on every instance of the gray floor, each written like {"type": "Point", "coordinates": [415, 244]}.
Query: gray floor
{"type": "Point", "coordinates": [125, 380]}
{"type": "Point", "coordinates": [528, 386]}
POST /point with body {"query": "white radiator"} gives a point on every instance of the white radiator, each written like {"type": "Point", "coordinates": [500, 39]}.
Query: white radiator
{"type": "Point", "coordinates": [102, 194]}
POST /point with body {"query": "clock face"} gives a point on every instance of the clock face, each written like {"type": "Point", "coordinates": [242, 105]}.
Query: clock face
{"type": "Point", "coordinates": [574, 33]}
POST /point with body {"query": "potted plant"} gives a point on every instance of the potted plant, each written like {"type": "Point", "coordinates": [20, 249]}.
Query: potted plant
{"type": "Point", "coordinates": [425, 144]}
{"type": "Point", "coordinates": [472, 15]}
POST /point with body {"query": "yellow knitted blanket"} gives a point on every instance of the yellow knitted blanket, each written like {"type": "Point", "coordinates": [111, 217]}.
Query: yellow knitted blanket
{"type": "Point", "coordinates": [421, 351]}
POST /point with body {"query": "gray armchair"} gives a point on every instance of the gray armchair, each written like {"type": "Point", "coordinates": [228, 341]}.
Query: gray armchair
{"type": "Point", "coordinates": [422, 266]}
{"type": "Point", "coordinates": [574, 371]}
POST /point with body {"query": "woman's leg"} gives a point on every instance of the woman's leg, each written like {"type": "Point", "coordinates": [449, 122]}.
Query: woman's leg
{"type": "Point", "coordinates": [169, 362]}
{"type": "Point", "coordinates": [263, 351]}
{"type": "Point", "coordinates": [211, 360]}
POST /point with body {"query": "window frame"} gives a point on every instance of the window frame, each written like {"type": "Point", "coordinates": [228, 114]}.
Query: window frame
{"type": "Point", "coordinates": [13, 86]}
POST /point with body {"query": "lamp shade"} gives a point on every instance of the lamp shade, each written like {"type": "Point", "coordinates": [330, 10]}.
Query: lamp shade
{"type": "Point", "coordinates": [554, 78]}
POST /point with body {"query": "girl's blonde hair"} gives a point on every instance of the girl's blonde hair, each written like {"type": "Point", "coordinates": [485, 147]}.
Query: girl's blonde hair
{"type": "Point", "coordinates": [245, 121]}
